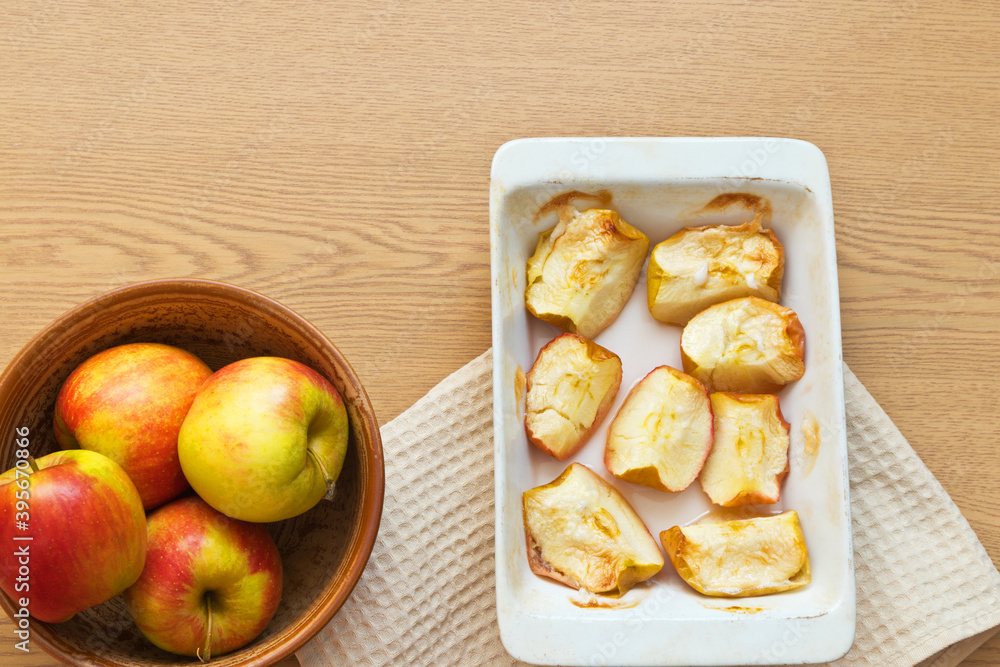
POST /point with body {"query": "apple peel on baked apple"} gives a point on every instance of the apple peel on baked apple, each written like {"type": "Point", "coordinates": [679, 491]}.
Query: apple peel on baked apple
{"type": "Point", "coordinates": [740, 558]}
{"type": "Point", "coordinates": [700, 266]}
{"type": "Point", "coordinates": [744, 345]}
{"type": "Point", "coordinates": [662, 433]}
{"type": "Point", "coordinates": [749, 457]}
{"type": "Point", "coordinates": [570, 389]}
{"type": "Point", "coordinates": [580, 531]}
{"type": "Point", "coordinates": [584, 270]}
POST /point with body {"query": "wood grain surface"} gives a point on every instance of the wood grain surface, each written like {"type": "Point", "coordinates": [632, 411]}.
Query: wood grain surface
{"type": "Point", "coordinates": [335, 156]}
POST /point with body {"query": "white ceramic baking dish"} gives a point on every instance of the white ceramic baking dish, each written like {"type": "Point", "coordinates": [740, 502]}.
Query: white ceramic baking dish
{"type": "Point", "coordinates": [659, 185]}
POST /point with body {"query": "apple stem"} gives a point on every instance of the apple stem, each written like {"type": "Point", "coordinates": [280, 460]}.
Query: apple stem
{"type": "Point", "coordinates": [31, 462]}
{"type": "Point", "coordinates": [208, 635]}
{"type": "Point", "coordinates": [330, 486]}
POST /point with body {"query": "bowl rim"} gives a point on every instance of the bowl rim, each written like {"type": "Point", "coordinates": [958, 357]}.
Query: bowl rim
{"type": "Point", "coordinates": [373, 487]}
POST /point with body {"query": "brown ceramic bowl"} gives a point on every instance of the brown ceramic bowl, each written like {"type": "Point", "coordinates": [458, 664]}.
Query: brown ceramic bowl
{"type": "Point", "coordinates": [323, 551]}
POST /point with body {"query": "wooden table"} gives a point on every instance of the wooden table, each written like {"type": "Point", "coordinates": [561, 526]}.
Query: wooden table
{"type": "Point", "coordinates": [335, 156]}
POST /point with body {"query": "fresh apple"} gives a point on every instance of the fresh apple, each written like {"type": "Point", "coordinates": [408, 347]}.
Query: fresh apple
{"type": "Point", "coordinates": [580, 531]}
{"type": "Point", "coordinates": [73, 531]}
{"type": "Point", "coordinates": [211, 584]}
{"type": "Point", "coordinates": [571, 387]}
{"type": "Point", "coordinates": [746, 345]}
{"type": "Point", "coordinates": [662, 433]}
{"type": "Point", "coordinates": [264, 440]}
{"type": "Point", "coordinates": [584, 270]}
{"type": "Point", "coordinates": [128, 403]}
{"type": "Point", "coordinates": [749, 456]}
{"type": "Point", "coordinates": [701, 266]}
{"type": "Point", "coordinates": [740, 558]}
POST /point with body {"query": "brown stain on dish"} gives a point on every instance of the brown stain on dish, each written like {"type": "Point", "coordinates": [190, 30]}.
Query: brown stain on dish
{"type": "Point", "coordinates": [734, 610]}
{"type": "Point", "coordinates": [587, 600]}
{"type": "Point", "coordinates": [751, 201]}
{"type": "Point", "coordinates": [810, 434]}
{"type": "Point", "coordinates": [759, 206]}
{"type": "Point", "coordinates": [601, 603]}
{"type": "Point", "coordinates": [519, 383]}
{"type": "Point", "coordinates": [561, 201]}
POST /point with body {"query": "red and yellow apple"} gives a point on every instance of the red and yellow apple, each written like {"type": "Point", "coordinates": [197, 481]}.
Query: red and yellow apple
{"type": "Point", "coordinates": [87, 529]}
{"type": "Point", "coordinates": [128, 403]}
{"type": "Point", "coordinates": [211, 584]}
{"type": "Point", "coordinates": [264, 440]}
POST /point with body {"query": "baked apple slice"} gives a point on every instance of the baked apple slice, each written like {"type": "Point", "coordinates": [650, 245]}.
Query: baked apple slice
{"type": "Point", "coordinates": [749, 457]}
{"type": "Point", "coordinates": [580, 531]}
{"type": "Point", "coordinates": [662, 433]}
{"type": "Point", "coordinates": [701, 266]}
{"type": "Point", "coordinates": [584, 270]}
{"type": "Point", "coordinates": [737, 559]}
{"type": "Point", "coordinates": [748, 345]}
{"type": "Point", "coordinates": [570, 389]}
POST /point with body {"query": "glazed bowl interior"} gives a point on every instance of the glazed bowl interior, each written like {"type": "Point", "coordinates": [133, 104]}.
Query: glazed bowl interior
{"type": "Point", "coordinates": [323, 551]}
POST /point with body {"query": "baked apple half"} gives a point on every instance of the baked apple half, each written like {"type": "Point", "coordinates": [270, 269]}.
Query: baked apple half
{"type": "Point", "coordinates": [701, 266]}
{"type": "Point", "coordinates": [749, 457]}
{"type": "Point", "coordinates": [580, 531]}
{"type": "Point", "coordinates": [570, 389]}
{"type": "Point", "coordinates": [747, 345]}
{"type": "Point", "coordinates": [662, 433]}
{"type": "Point", "coordinates": [740, 558]}
{"type": "Point", "coordinates": [584, 270]}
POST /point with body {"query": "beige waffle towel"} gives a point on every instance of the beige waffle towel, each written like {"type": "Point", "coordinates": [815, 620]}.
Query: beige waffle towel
{"type": "Point", "coordinates": [927, 590]}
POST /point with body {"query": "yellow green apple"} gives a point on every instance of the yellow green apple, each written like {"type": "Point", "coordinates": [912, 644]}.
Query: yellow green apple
{"type": "Point", "coordinates": [264, 440]}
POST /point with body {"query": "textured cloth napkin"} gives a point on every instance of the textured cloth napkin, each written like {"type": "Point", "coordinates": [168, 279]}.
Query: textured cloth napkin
{"type": "Point", "coordinates": [927, 591]}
